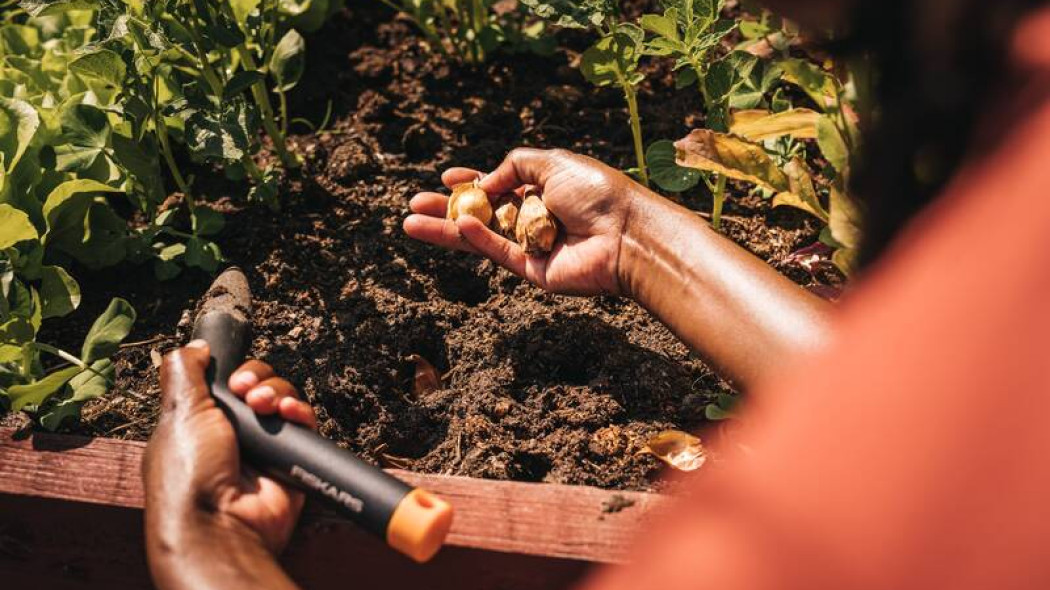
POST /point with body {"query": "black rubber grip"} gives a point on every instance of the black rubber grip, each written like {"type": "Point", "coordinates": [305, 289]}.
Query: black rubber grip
{"type": "Point", "coordinates": [292, 453]}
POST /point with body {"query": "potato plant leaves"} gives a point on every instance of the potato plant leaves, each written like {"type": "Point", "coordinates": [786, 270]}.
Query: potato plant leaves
{"type": "Point", "coordinates": [108, 331]}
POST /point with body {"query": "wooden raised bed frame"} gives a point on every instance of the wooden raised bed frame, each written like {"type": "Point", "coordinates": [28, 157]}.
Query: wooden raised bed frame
{"type": "Point", "coordinates": [70, 517]}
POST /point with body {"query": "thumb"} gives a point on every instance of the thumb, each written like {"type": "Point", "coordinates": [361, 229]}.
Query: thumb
{"type": "Point", "coordinates": [521, 166]}
{"type": "Point", "coordinates": [182, 383]}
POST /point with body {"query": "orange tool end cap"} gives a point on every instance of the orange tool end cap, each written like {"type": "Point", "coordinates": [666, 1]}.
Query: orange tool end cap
{"type": "Point", "coordinates": [419, 525]}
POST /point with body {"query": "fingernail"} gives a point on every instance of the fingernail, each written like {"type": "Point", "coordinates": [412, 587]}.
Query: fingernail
{"type": "Point", "coordinates": [244, 380]}
{"type": "Point", "coordinates": [263, 394]}
{"type": "Point", "coordinates": [198, 343]}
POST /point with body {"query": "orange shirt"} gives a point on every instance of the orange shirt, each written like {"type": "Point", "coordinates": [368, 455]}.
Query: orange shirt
{"type": "Point", "coordinates": [915, 452]}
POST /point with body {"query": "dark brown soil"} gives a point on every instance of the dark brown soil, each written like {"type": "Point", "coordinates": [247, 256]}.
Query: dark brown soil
{"type": "Point", "coordinates": [537, 387]}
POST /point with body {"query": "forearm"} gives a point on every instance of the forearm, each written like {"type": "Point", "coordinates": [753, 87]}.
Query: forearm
{"type": "Point", "coordinates": [210, 555]}
{"type": "Point", "coordinates": [732, 308]}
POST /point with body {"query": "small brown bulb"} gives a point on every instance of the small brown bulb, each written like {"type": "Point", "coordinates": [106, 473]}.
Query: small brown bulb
{"type": "Point", "coordinates": [536, 229]}
{"type": "Point", "coordinates": [469, 199]}
{"type": "Point", "coordinates": [507, 214]}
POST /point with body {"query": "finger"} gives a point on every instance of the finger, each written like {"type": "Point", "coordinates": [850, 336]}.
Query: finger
{"type": "Point", "coordinates": [298, 411]}
{"type": "Point", "coordinates": [182, 383]}
{"type": "Point", "coordinates": [265, 397]}
{"type": "Point", "coordinates": [491, 245]}
{"type": "Point", "coordinates": [248, 376]}
{"type": "Point", "coordinates": [454, 176]}
{"type": "Point", "coordinates": [441, 232]}
{"type": "Point", "coordinates": [521, 166]}
{"type": "Point", "coordinates": [432, 204]}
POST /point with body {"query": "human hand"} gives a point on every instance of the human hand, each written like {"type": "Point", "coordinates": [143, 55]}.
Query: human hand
{"type": "Point", "coordinates": [199, 497]}
{"type": "Point", "coordinates": [591, 200]}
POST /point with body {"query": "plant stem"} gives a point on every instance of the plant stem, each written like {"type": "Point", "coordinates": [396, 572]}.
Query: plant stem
{"type": "Point", "coordinates": [282, 103]}
{"type": "Point", "coordinates": [636, 132]}
{"type": "Point", "coordinates": [70, 358]}
{"type": "Point", "coordinates": [262, 100]}
{"type": "Point", "coordinates": [719, 195]}
{"type": "Point", "coordinates": [169, 158]}
{"type": "Point", "coordinates": [252, 169]}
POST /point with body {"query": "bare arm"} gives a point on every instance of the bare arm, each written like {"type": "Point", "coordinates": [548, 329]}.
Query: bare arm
{"type": "Point", "coordinates": [621, 238]}
{"type": "Point", "coordinates": [735, 310]}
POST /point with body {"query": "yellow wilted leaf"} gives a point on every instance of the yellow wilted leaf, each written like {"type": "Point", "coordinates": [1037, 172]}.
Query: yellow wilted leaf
{"type": "Point", "coordinates": [730, 156]}
{"type": "Point", "coordinates": [678, 449]}
{"type": "Point", "coordinates": [845, 219]}
{"type": "Point", "coordinates": [802, 194]}
{"type": "Point", "coordinates": [759, 125]}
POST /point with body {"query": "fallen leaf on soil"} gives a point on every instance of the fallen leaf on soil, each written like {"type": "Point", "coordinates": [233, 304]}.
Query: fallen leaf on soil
{"type": "Point", "coordinates": [678, 449]}
{"type": "Point", "coordinates": [426, 379]}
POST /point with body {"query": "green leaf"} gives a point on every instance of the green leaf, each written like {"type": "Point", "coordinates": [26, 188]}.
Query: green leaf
{"type": "Point", "coordinates": [207, 222]}
{"type": "Point", "coordinates": [223, 137]}
{"type": "Point", "coordinates": [86, 129]}
{"type": "Point", "coordinates": [241, 81]}
{"type": "Point", "coordinates": [288, 60]}
{"type": "Point", "coordinates": [105, 335]}
{"type": "Point", "coordinates": [49, 7]}
{"type": "Point", "coordinates": [93, 383]}
{"type": "Point", "coordinates": [203, 254]}
{"type": "Point", "coordinates": [614, 58]}
{"type": "Point", "coordinates": [714, 413]}
{"type": "Point", "coordinates": [665, 172]}
{"type": "Point", "coordinates": [243, 8]}
{"type": "Point", "coordinates": [818, 84]}
{"type": "Point", "coordinates": [102, 65]}
{"type": "Point", "coordinates": [59, 292]}
{"type": "Point", "coordinates": [19, 122]}
{"type": "Point", "coordinates": [14, 226]}
{"type": "Point", "coordinates": [35, 393]}
{"type": "Point", "coordinates": [575, 14]}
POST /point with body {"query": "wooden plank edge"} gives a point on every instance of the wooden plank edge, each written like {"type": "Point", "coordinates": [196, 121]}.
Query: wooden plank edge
{"type": "Point", "coordinates": [547, 520]}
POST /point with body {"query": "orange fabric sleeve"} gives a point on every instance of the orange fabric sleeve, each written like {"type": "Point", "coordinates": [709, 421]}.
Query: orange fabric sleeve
{"type": "Point", "coordinates": [914, 452]}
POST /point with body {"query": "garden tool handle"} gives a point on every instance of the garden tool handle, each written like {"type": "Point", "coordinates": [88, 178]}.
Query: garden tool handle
{"type": "Point", "coordinates": [411, 520]}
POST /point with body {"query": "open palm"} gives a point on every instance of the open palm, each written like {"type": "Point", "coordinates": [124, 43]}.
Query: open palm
{"type": "Point", "coordinates": [592, 201]}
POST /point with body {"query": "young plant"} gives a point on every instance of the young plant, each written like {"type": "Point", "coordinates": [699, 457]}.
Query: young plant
{"type": "Point", "coordinates": [688, 31]}
{"type": "Point", "coordinates": [612, 60]}
{"type": "Point", "coordinates": [471, 30]}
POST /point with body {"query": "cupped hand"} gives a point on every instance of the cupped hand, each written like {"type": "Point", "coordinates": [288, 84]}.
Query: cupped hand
{"type": "Point", "coordinates": [591, 200]}
{"type": "Point", "coordinates": [193, 471]}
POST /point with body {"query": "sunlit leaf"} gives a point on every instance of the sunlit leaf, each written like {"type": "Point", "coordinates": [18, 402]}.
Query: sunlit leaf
{"type": "Point", "coordinates": [288, 60]}
{"type": "Point", "coordinates": [732, 157]}
{"type": "Point", "coordinates": [19, 122]}
{"type": "Point", "coordinates": [59, 292]}
{"type": "Point", "coordinates": [759, 125]}
{"type": "Point", "coordinates": [802, 194]}
{"type": "Point", "coordinates": [108, 331]}
{"type": "Point", "coordinates": [678, 449]}
{"type": "Point", "coordinates": [14, 226]}
{"type": "Point", "coordinates": [35, 393]}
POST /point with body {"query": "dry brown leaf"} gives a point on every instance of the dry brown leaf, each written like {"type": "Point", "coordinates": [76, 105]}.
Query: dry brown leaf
{"type": "Point", "coordinates": [678, 449]}
{"type": "Point", "coordinates": [426, 378]}
{"type": "Point", "coordinates": [730, 156]}
{"type": "Point", "coordinates": [759, 125]}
